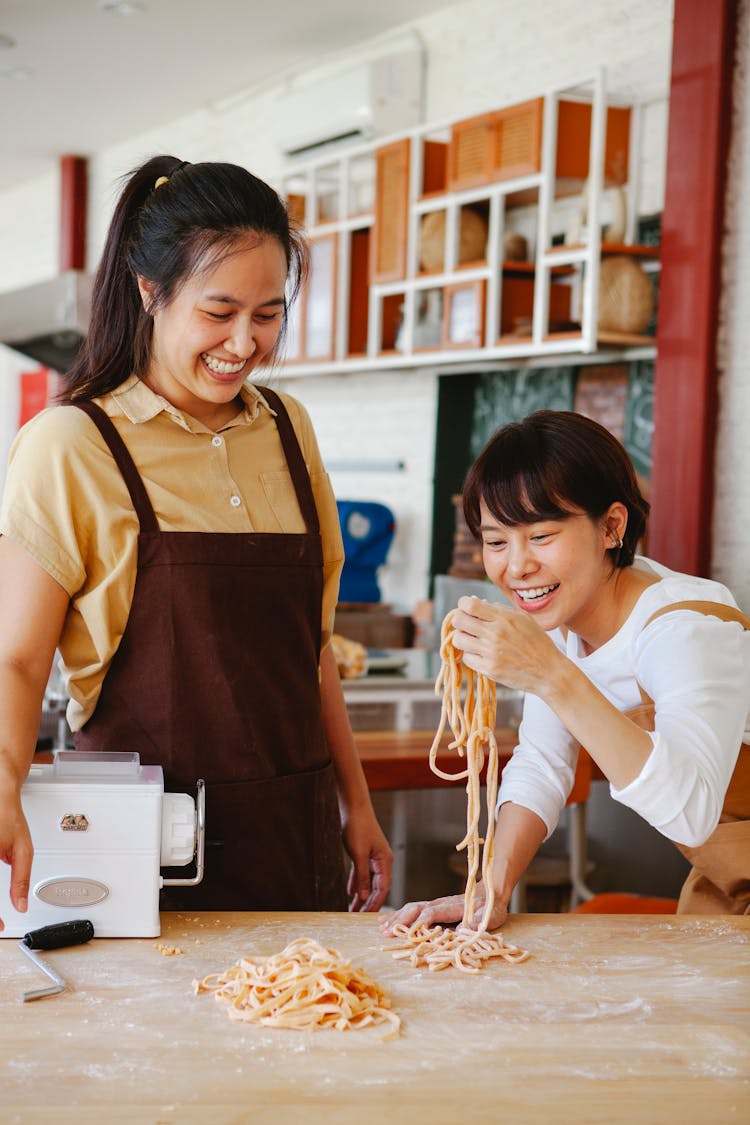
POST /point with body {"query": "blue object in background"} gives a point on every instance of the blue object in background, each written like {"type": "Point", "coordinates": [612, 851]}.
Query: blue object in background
{"type": "Point", "coordinates": [367, 529]}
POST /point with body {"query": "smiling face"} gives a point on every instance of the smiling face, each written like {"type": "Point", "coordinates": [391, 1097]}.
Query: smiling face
{"type": "Point", "coordinates": [220, 325]}
{"type": "Point", "coordinates": [559, 570]}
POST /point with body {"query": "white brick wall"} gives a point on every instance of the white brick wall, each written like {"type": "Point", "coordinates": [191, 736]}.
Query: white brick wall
{"type": "Point", "coordinates": [731, 525]}
{"type": "Point", "coordinates": [375, 418]}
{"type": "Point", "coordinates": [483, 53]}
{"type": "Point", "coordinates": [29, 232]}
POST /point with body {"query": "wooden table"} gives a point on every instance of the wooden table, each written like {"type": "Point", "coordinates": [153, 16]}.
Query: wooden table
{"type": "Point", "coordinates": [399, 759]}
{"type": "Point", "coordinates": [613, 1019]}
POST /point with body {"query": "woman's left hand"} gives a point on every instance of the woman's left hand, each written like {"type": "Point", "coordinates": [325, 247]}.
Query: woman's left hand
{"type": "Point", "coordinates": [372, 861]}
{"type": "Point", "coordinates": [504, 644]}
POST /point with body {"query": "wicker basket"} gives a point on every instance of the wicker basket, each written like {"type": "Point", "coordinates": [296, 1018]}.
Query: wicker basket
{"type": "Point", "coordinates": [472, 246]}
{"type": "Point", "coordinates": [626, 296]}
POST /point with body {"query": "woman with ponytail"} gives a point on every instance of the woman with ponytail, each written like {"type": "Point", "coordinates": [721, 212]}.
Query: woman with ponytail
{"type": "Point", "coordinates": [171, 530]}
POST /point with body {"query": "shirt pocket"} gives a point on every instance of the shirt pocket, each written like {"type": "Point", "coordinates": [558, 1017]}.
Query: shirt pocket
{"type": "Point", "coordinates": [282, 501]}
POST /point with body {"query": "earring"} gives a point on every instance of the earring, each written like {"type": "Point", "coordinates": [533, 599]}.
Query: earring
{"type": "Point", "coordinates": [617, 541]}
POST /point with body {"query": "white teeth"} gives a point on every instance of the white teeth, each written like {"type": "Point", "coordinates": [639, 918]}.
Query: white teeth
{"type": "Point", "coordinates": [537, 592]}
{"type": "Point", "coordinates": [221, 367]}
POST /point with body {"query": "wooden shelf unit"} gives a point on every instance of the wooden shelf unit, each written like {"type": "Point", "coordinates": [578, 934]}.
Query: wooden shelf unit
{"type": "Point", "coordinates": [511, 167]}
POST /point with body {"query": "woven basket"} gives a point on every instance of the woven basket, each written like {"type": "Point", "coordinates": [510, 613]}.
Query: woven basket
{"type": "Point", "coordinates": [472, 246]}
{"type": "Point", "coordinates": [626, 296]}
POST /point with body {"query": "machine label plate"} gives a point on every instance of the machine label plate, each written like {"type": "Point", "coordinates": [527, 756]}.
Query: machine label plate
{"type": "Point", "coordinates": [67, 890]}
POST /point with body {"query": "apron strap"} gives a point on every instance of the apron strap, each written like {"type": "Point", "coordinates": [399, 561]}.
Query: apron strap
{"type": "Point", "coordinates": [143, 507]}
{"type": "Point", "coordinates": [295, 461]}
{"type": "Point", "coordinates": [708, 609]}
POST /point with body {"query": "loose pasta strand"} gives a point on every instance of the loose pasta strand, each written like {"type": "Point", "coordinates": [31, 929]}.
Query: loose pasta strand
{"type": "Point", "coordinates": [469, 707]}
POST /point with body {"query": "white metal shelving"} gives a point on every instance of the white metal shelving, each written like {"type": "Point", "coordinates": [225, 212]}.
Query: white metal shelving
{"type": "Point", "coordinates": [495, 349]}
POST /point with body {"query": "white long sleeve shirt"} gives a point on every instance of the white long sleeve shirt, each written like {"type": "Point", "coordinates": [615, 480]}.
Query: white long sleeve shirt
{"type": "Point", "coordinates": [697, 671]}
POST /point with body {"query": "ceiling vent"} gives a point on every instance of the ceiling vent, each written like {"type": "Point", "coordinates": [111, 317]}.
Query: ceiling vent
{"type": "Point", "coordinates": [357, 104]}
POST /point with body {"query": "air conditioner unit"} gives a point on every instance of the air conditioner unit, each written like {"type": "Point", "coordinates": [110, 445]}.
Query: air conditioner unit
{"type": "Point", "coordinates": [373, 99]}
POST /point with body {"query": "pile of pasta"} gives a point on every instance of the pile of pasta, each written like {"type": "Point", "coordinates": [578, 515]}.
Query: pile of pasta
{"type": "Point", "coordinates": [304, 987]}
{"type": "Point", "coordinates": [469, 708]}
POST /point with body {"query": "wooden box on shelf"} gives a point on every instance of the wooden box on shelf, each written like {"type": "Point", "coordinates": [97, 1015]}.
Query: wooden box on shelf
{"type": "Point", "coordinates": [391, 319]}
{"type": "Point", "coordinates": [434, 167]}
{"type": "Point", "coordinates": [389, 231]}
{"type": "Point", "coordinates": [517, 302]}
{"type": "Point", "coordinates": [296, 206]}
{"type": "Point", "coordinates": [496, 146]}
{"type": "Point", "coordinates": [518, 139]}
{"type": "Point", "coordinates": [311, 334]}
{"type": "Point", "coordinates": [359, 291]}
{"type": "Point", "coordinates": [463, 315]}
{"type": "Point", "coordinates": [471, 152]}
{"type": "Point", "coordinates": [573, 140]}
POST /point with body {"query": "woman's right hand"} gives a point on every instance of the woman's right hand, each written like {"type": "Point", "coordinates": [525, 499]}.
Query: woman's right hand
{"type": "Point", "coordinates": [16, 850]}
{"type": "Point", "coordinates": [32, 610]}
{"type": "Point", "coordinates": [443, 911]}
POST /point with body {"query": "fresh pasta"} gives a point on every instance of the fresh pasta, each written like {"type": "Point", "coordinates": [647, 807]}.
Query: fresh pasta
{"type": "Point", "coordinates": [436, 947]}
{"type": "Point", "coordinates": [469, 709]}
{"type": "Point", "coordinates": [303, 987]}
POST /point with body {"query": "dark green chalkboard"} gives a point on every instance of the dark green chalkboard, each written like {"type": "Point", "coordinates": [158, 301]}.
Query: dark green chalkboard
{"type": "Point", "coordinates": [453, 457]}
{"type": "Point", "coordinates": [509, 396]}
{"type": "Point", "coordinates": [639, 415]}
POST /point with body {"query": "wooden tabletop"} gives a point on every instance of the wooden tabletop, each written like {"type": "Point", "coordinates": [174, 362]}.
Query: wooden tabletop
{"type": "Point", "coordinates": [396, 759]}
{"type": "Point", "coordinates": [613, 1019]}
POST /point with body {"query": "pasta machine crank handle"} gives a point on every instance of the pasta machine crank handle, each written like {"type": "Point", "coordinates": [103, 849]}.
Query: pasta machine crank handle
{"type": "Point", "coordinates": [77, 932]}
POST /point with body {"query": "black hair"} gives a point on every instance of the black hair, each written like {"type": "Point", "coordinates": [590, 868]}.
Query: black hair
{"type": "Point", "coordinates": [550, 464]}
{"type": "Point", "coordinates": [166, 233]}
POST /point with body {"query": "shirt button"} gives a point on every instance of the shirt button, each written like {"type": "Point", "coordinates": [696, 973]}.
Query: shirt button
{"type": "Point", "coordinates": [235, 501]}
{"type": "Point", "coordinates": [216, 440]}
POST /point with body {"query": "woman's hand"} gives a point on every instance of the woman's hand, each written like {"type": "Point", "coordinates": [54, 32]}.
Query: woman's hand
{"type": "Point", "coordinates": [372, 861]}
{"type": "Point", "coordinates": [32, 610]}
{"type": "Point", "coordinates": [16, 849]}
{"type": "Point", "coordinates": [504, 644]}
{"type": "Point", "coordinates": [444, 911]}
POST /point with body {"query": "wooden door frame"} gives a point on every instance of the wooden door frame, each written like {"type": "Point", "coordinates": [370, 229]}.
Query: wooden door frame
{"type": "Point", "coordinates": [686, 376]}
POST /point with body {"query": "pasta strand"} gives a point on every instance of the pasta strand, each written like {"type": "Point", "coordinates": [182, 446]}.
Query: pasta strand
{"type": "Point", "coordinates": [469, 708]}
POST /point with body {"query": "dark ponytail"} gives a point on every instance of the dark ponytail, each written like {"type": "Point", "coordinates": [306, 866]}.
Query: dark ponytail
{"type": "Point", "coordinates": [165, 233]}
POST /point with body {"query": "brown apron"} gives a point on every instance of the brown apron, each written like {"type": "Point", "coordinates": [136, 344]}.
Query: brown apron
{"type": "Point", "coordinates": [216, 676]}
{"type": "Point", "coordinates": [719, 880]}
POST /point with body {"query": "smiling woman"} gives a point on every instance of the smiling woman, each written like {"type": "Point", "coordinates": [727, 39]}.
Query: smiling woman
{"type": "Point", "coordinates": [172, 530]}
{"type": "Point", "coordinates": [221, 324]}
{"type": "Point", "coordinates": [647, 668]}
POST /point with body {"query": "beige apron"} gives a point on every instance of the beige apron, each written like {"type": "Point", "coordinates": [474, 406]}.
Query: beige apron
{"type": "Point", "coordinates": [719, 881]}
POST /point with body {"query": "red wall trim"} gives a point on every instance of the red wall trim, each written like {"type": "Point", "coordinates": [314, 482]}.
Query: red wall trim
{"type": "Point", "coordinates": [685, 406]}
{"type": "Point", "coordinates": [73, 205]}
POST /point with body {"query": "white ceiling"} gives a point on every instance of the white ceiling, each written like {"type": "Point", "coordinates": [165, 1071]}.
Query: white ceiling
{"type": "Point", "coordinates": [96, 78]}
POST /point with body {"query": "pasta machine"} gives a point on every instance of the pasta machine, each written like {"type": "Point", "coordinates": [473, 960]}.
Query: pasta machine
{"type": "Point", "coordinates": [102, 828]}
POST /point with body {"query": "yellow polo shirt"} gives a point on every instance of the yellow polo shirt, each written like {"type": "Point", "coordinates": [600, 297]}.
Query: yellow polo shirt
{"type": "Point", "coordinates": [66, 503]}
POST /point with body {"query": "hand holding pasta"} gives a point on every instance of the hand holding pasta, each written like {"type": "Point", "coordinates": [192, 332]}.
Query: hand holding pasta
{"type": "Point", "coordinates": [470, 711]}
